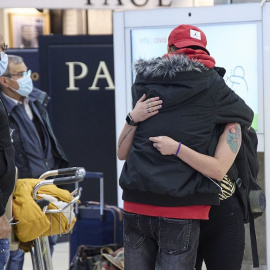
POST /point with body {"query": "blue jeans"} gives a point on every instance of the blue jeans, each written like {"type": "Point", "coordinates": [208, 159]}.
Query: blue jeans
{"type": "Point", "coordinates": [4, 252]}
{"type": "Point", "coordinates": [16, 258]}
{"type": "Point", "coordinates": [165, 243]}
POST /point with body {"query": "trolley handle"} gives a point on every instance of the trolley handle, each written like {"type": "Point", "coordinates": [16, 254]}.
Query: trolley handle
{"type": "Point", "coordinates": [65, 171]}
{"type": "Point", "coordinates": [67, 180]}
{"type": "Point", "coordinates": [71, 170]}
{"type": "Point", "coordinates": [59, 181]}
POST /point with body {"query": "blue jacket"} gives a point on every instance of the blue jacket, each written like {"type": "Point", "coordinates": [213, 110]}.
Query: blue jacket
{"type": "Point", "coordinates": [36, 149]}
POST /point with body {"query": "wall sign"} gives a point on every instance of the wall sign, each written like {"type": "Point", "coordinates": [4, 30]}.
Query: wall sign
{"type": "Point", "coordinates": [78, 74]}
{"type": "Point", "coordinates": [95, 4]}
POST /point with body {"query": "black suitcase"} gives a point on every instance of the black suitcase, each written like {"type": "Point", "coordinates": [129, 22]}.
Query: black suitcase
{"type": "Point", "coordinates": [97, 224]}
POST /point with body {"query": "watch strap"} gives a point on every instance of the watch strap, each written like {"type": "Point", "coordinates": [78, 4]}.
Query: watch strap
{"type": "Point", "coordinates": [130, 120]}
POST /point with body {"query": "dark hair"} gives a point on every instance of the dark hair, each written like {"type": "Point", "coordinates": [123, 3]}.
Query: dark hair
{"type": "Point", "coordinates": [174, 48]}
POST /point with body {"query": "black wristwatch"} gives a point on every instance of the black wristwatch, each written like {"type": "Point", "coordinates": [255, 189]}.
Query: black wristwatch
{"type": "Point", "coordinates": [130, 120]}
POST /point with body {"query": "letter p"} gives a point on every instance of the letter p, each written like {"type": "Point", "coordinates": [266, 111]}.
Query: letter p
{"type": "Point", "coordinates": [72, 77]}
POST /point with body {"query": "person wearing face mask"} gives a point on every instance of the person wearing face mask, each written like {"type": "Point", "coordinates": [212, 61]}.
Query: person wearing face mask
{"type": "Point", "coordinates": [7, 166]}
{"type": "Point", "coordinates": [36, 147]}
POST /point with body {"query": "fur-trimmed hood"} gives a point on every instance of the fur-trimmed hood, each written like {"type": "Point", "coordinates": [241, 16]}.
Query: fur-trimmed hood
{"type": "Point", "coordinates": [175, 79]}
{"type": "Point", "coordinates": [167, 66]}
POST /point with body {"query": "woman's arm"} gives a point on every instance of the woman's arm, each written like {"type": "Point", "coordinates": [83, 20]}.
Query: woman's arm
{"type": "Point", "coordinates": [215, 167]}
{"type": "Point", "coordinates": [142, 111]}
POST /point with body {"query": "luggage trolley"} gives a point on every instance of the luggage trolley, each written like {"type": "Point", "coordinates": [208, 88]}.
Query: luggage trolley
{"type": "Point", "coordinates": [40, 252]}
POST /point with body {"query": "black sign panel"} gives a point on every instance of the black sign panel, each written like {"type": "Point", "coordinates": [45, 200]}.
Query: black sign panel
{"type": "Point", "coordinates": [78, 74]}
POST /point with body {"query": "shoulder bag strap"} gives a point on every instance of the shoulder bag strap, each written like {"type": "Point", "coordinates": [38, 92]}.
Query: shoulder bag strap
{"type": "Point", "coordinates": [253, 239]}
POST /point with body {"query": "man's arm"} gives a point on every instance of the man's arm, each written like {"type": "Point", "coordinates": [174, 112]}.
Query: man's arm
{"type": "Point", "coordinates": [231, 108]}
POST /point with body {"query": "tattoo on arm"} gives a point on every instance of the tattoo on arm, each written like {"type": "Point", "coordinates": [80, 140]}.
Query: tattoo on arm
{"type": "Point", "coordinates": [234, 137]}
{"type": "Point", "coordinates": [124, 138]}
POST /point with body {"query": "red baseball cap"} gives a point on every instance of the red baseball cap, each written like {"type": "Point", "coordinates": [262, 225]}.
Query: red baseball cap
{"type": "Point", "coordinates": [186, 35]}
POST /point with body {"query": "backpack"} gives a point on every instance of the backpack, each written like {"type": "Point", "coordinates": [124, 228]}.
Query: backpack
{"type": "Point", "coordinates": [251, 196]}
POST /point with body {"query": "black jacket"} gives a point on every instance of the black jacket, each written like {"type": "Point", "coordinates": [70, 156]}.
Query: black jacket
{"type": "Point", "coordinates": [7, 160]}
{"type": "Point", "coordinates": [195, 101]}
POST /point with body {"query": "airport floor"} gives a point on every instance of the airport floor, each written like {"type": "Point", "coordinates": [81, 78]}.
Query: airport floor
{"type": "Point", "coordinates": [60, 258]}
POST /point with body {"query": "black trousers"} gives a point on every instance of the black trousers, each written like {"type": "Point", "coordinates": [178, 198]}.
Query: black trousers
{"type": "Point", "coordinates": [222, 237]}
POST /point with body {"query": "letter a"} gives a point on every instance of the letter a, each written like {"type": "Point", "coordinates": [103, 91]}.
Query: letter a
{"type": "Point", "coordinates": [106, 75]}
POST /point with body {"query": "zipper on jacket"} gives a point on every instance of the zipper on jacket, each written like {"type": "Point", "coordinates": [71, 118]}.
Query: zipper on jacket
{"type": "Point", "coordinates": [11, 133]}
{"type": "Point", "coordinates": [214, 183]}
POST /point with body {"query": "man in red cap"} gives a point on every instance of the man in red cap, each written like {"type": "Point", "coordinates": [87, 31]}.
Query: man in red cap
{"type": "Point", "coordinates": [191, 41]}
{"type": "Point", "coordinates": [182, 99]}
{"type": "Point", "coordinates": [187, 36]}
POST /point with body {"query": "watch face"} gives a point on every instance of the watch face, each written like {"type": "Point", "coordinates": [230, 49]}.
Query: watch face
{"type": "Point", "coordinates": [129, 119]}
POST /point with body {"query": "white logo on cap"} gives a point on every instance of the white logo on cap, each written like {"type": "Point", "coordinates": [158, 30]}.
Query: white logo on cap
{"type": "Point", "coordinates": [195, 34]}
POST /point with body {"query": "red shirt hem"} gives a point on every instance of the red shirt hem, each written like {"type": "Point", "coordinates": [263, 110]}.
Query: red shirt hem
{"type": "Point", "coordinates": [180, 212]}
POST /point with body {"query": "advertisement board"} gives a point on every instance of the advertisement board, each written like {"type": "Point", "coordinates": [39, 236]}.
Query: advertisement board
{"type": "Point", "coordinates": [228, 43]}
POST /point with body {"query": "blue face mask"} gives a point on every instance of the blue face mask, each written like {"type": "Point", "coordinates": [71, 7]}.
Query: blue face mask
{"type": "Point", "coordinates": [3, 63]}
{"type": "Point", "coordinates": [25, 84]}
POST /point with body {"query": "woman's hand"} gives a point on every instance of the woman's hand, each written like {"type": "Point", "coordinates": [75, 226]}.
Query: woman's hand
{"type": "Point", "coordinates": [145, 108]}
{"type": "Point", "coordinates": [165, 145]}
